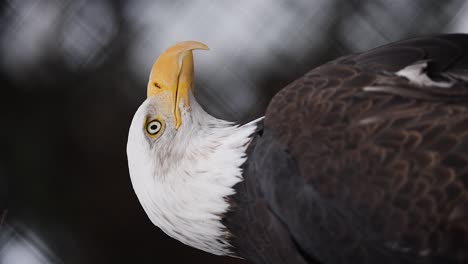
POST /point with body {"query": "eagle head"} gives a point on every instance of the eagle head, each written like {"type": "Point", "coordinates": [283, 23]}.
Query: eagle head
{"type": "Point", "coordinates": [183, 162]}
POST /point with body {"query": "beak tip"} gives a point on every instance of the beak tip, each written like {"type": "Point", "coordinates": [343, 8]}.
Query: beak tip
{"type": "Point", "coordinates": [192, 45]}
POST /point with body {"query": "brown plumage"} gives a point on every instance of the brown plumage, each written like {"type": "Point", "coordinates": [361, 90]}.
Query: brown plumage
{"type": "Point", "coordinates": [358, 163]}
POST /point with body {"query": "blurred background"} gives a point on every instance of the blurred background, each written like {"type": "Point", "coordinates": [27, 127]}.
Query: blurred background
{"type": "Point", "coordinates": [74, 72]}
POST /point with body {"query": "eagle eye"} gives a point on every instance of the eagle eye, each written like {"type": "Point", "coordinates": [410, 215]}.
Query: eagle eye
{"type": "Point", "coordinates": [153, 127]}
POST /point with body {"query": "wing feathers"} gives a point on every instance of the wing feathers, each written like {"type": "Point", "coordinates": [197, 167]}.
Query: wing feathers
{"type": "Point", "coordinates": [380, 143]}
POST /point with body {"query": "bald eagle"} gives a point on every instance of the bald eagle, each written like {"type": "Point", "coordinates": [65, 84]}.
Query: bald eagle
{"type": "Point", "coordinates": [362, 160]}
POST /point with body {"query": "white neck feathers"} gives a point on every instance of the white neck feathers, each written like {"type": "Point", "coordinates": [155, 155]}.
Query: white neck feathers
{"type": "Point", "coordinates": [183, 183]}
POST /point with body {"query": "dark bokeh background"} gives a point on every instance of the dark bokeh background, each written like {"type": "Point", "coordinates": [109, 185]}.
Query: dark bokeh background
{"type": "Point", "coordinates": [74, 72]}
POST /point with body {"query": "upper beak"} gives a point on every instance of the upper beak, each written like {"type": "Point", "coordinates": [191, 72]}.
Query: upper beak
{"type": "Point", "coordinates": [173, 73]}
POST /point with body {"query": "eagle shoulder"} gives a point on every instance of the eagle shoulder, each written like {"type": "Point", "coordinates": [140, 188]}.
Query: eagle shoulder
{"type": "Point", "coordinates": [365, 175]}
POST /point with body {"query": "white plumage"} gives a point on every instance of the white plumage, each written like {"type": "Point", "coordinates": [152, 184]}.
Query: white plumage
{"type": "Point", "coordinates": [183, 179]}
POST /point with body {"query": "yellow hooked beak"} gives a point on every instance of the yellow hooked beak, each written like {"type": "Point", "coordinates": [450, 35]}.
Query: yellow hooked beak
{"type": "Point", "coordinates": [173, 73]}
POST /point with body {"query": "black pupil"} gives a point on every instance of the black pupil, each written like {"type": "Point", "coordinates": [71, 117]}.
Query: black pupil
{"type": "Point", "coordinates": [153, 127]}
